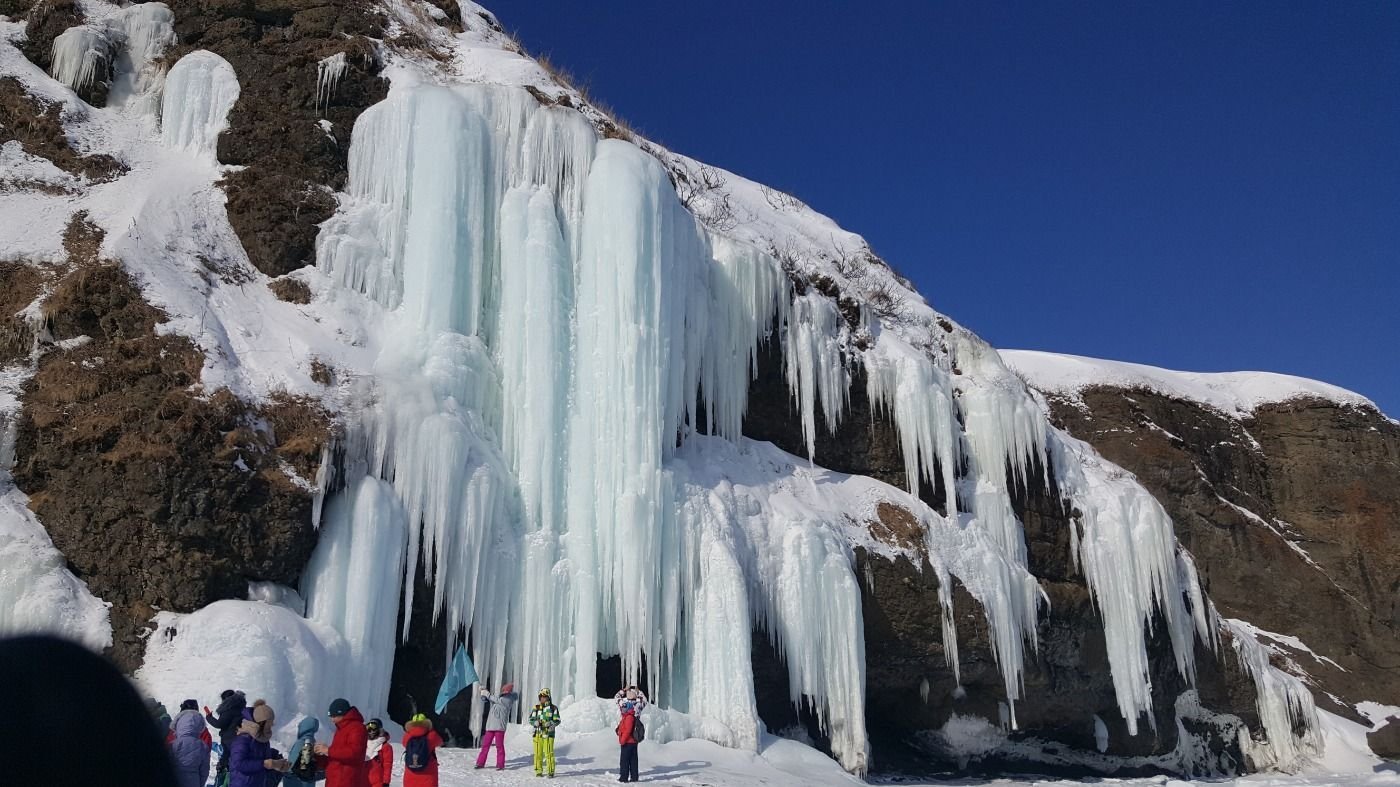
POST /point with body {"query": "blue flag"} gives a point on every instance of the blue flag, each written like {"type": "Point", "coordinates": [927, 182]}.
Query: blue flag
{"type": "Point", "coordinates": [460, 674]}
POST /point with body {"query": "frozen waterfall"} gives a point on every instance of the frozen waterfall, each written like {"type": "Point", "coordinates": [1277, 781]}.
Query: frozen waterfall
{"type": "Point", "coordinates": [554, 330]}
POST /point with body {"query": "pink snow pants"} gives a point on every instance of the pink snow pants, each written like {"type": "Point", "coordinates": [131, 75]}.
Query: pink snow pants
{"type": "Point", "coordinates": [487, 738]}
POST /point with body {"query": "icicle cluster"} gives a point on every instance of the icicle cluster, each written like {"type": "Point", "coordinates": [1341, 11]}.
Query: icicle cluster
{"type": "Point", "coordinates": [1126, 547]}
{"type": "Point", "coordinates": [329, 70]}
{"type": "Point", "coordinates": [80, 54]}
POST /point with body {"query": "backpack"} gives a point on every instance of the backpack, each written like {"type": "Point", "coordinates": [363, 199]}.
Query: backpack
{"type": "Point", "coordinates": [305, 766]}
{"type": "Point", "coordinates": [417, 755]}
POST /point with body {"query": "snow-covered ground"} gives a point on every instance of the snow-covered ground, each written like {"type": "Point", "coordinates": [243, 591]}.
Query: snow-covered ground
{"type": "Point", "coordinates": [592, 760]}
{"type": "Point", "coordinates": [1234, 393]}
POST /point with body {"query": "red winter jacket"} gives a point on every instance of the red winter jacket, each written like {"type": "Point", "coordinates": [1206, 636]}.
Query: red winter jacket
{"type": "Point", "coordinates": [381, 768]}
{"type": "Point", "coordinates": [624, 729]}
{"type": "Point", "coordinates": [428, 777]}
{"type": "Point", "coordinates": [345, 762]}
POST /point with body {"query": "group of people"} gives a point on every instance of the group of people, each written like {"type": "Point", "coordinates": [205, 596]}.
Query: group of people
{"type": "Point", "coordinates": [360, 753]}
{"type": "Point", "coordinates": [544, 720]}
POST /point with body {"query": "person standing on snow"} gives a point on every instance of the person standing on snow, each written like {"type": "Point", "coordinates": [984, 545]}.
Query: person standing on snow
{"type": "Point", "coordinates": [502, 710]}
{"type": "Point", "coordinates": [379, 753]}
{"type": "Point", "coordinates": [252, 761]}
{"type": "Point", "coordinates": [544, 719]}
{"type": "Point", "coordinates": [420, 744]}
{"type": "Point", "coordinates": [226, 720]}
{"type": "Point", "coordinates": [345, 757]}
{"type": "Point", "coordinates": [189, 744]}
{"type": "Point", "coordinates": [307, 768]}
{"type": "Point", "coordinates": [630, 731]}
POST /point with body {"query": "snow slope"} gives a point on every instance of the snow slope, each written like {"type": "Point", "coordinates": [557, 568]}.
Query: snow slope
{"type": "Point", "coordinates": [530, 316]}
{"type": "Point", "coordinates": [1236, 394]}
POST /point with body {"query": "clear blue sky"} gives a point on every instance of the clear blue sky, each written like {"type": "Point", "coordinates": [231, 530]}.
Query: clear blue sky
{"type": "Point", "coordinates": [1198, 185]}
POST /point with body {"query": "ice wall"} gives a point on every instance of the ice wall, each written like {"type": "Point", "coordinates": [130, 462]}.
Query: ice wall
{"type": "Point", "coordinates": [199, 92]}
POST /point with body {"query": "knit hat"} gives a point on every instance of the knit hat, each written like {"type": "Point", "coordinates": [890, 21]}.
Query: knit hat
{"type": "Point", "coordinates": [340, 707]}
{"type": "Point", "coordinates": [545, 693]}
{"type": "Point", "coordinates": [226, 693]}
{"type": "Point", "coordinates": [419, 720]}
{"type": "Point", "coordinates": [262, 712]}
{"type": "Point", "coordinates": [508, 688]}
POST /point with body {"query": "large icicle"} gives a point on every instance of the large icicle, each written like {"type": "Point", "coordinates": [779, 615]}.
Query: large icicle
{"type": "Point", "coordinates": [351, 584]}
{"type": "Point", "coordinates": [642, 293]}
{"type": "Point", "coordinates": [918, 395]}
{"type": "Point", "coordinates": [1126, 546]}
{"type": "Point", "coordinates": [816, 367]}
{"type": "Point", "coordinates": [1004, 428]}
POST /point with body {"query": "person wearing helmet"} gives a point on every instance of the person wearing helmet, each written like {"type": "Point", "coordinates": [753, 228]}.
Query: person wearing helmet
{"type": "Point", "coordinates": [544, 719]}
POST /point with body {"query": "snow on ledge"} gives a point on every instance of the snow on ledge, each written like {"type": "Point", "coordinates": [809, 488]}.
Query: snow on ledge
{"type": "Point", "coordinates": [1236, 394]}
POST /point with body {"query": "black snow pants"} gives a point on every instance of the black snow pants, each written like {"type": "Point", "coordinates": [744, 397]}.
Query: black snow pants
{"type": "Point", "coordinates": [627, 768]}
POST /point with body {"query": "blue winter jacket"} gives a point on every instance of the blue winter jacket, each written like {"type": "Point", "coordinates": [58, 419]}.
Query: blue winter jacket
{"type": "Point", "coordinates": [306, 737]}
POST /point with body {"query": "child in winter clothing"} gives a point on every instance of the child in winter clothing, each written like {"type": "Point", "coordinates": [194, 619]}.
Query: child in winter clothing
{"type": "Point", "coordinates": [502, 710]}
{"type": "Point", "coordinates": [420, 744]}
{"type": "Point", "coordinates": [627, 739]}
{"type": "Point", "coordinates": [253, 760]}
{"type": "Point", "coordinates": [189, 744]}
{"type": "Point", "coordinates": [379, 754]}
{"type": "Point", "coordinates": [544, 718]}
{"type": "Point", "coordinates": [306, 768]}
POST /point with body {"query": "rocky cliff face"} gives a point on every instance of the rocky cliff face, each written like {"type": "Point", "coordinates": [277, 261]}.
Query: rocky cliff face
{"type": "Point", "coordinates": [1292, 514]}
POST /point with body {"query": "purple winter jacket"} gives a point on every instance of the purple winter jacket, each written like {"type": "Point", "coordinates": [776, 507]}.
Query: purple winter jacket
{"type": "Point", "coordinates": [245, 762]}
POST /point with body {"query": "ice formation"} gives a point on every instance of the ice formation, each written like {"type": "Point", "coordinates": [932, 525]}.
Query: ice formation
{"type": "Point", "coordinates": [1284, 705]}
{"type": "Point", "coordinates": [141, 34]}
{"type": "Point", "coordinates": [329, 70]}
{"type": "Point", "coordinates": [80, 55]}
{"type": "Point", "coordinates": [1126, 547]}
{"type": "Point", "coordinates": [297, 665]}
{"type": "Point", "coordinates": [199, 92]}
